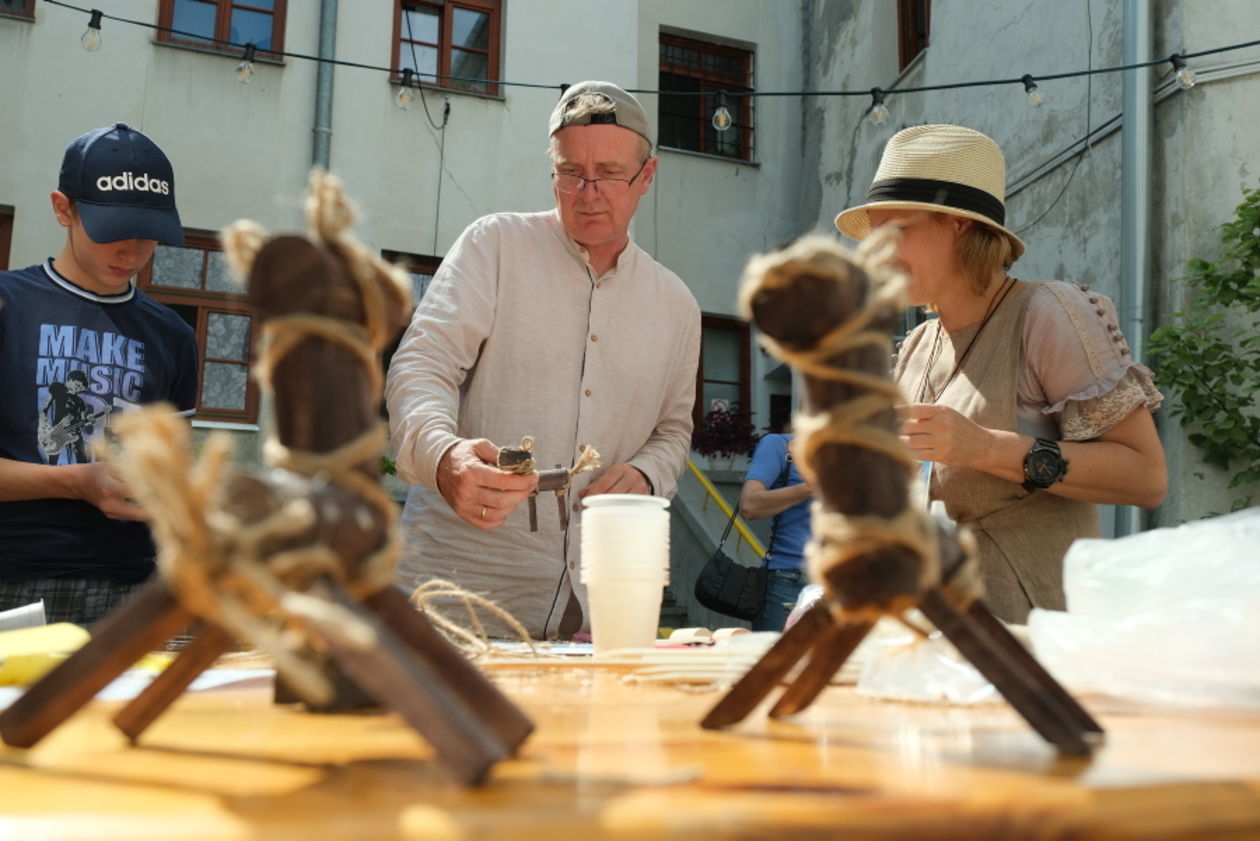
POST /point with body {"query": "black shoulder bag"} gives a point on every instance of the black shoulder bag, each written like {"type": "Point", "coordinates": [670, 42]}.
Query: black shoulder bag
{"type": "Point", "coordinates": [731, 588]}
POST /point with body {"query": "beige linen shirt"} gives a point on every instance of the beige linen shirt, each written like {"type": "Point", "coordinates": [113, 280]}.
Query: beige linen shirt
{"type": "Point", "coordinates": [516, 336]}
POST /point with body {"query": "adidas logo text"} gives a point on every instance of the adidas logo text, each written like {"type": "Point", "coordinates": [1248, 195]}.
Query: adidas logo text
{"type": "Point", "coordinates": [127, 181]}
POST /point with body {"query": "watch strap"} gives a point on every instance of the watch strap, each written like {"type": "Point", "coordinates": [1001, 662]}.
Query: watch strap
{"type": "Point", "coordinates": [1031, 484]}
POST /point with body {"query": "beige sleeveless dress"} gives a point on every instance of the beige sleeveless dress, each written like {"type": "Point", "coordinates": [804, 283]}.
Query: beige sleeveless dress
{"type": "Point", "coordinates": [1022, 536]}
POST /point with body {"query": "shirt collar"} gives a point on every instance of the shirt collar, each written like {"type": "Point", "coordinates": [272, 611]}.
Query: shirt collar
{"type": "Point", "coordinates": [625, 260]}
{"type": "Point", "coordinates": [78, 291]}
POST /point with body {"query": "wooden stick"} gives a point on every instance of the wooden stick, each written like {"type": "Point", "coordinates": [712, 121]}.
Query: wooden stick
{"type": "Point", "coordinates": [210, 644]}
{"type": "Point", "coordinates": [759, 681]}
{"type": "Point", "coordinates": [118, 641]}
{"type": "Point", "coordinates": [494, 708]}
{"type": "Point", "coordinates": [442, 714]}
{"type": "Point", "coordinates": [412, 670]}
{"type": "Point", "coordinates": [1038, 708]}
{"type": "Point", "coordinates": [1000, 635]}
{"type": "Point", "coordinates": [829, 654]}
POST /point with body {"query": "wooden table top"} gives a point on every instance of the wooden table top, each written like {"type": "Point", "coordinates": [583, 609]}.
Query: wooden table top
{"type": "Point", "coordinates": [613, 759]}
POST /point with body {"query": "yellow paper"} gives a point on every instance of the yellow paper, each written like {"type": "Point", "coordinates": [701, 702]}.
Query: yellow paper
{"type": "Point", "coordinates": [27, 653]}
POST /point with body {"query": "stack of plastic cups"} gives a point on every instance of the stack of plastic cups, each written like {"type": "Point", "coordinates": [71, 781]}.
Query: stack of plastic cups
{"type": "Point", "coordinates": [625, 567]}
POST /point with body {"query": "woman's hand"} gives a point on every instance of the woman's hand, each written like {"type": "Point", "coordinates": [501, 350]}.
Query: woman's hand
{"type": "Point", "coordinates": [942, 435]}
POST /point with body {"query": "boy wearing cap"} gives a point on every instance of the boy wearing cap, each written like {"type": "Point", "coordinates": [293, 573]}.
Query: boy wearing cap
{"type": "Point", "coordinates": [78, 342]}
{"type": "Point", "coordinates": [554, 325]}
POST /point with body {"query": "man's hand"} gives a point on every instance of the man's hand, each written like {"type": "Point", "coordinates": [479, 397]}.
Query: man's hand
{"type": "Point", "coordinates": [619, 478]}
{"type": "Point", "coordinates": [104, 490]}
{"type": "Point", "coordinates": [480, 493]}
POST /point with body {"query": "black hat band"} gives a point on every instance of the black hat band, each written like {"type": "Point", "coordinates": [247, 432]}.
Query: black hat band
{"type": "Point", "coordinates": [944, 193]}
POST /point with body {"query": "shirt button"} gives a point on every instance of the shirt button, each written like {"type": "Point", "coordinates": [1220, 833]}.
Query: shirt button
{"type": "Point", "coordinates": [594, 338]}
{"type": "Point", "coordinates": [587, 392]}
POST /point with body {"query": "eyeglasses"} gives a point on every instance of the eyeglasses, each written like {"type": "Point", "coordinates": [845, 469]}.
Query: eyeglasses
{"type": "Point", "coordinates": [567, 183]}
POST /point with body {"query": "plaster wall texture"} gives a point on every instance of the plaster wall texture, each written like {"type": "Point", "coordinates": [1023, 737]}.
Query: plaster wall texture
{"type": "Point", "coordinates": [1069, 215]}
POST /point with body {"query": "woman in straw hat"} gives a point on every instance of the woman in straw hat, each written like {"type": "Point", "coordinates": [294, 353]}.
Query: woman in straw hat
{"type": "Point", "coordinates": [1023, 396]}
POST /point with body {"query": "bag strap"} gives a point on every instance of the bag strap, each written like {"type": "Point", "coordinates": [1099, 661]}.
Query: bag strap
{"type": "Point", "coordinates": [774, 524]}
{"type": "Point", "coordinates": [729, 524]}
{"type": "Point", "coordinates": [782, 480]}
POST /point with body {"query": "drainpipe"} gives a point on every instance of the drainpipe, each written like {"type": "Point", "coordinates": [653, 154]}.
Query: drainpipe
{"type": "Point", "coordinates": [1135, 208]}
{"type": "Point", "coordinates": [322, 130]}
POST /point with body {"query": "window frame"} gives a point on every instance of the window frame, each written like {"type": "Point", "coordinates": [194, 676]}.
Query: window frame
{"type": "Point", "coordinates": [913, 34]}
{"type": "Point", "coordinates": [712, 83]}
{"type": "Point", "coordinates": [27, 12]}
{"type": "Point", "coordinates": [735, 325]}
{"type": "Point", "coordinates": [446, 12]}
{"type": "Point", "coordinates": [208, 302]}
{"type": "Point", "coordinates": [221, 42]}
{"type": "Point", "coordinates": [413, 264]}
{"type": "Point", "coordinates": [6, 237]}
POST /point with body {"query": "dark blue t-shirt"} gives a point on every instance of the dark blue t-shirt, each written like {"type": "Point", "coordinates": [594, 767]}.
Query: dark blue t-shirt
{"type": "Point", "coordinates": [69, 360]}
{"type": "Point", "coordinates": [791, 527]}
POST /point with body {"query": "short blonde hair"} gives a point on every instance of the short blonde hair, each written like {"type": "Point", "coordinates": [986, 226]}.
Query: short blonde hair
{"type": "Point", "coordinates": [585, 104]}
{"type": "Point", "coordinates": [982, 251]}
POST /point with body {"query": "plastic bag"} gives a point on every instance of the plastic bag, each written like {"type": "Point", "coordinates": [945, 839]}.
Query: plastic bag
{"type": "Point", "coordinates": [1170, 616]}
{"type": "Point", "coordinates": [900, 665]}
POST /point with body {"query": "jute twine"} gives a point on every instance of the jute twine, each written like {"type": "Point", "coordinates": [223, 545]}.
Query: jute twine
{"type": "Point", "coordinates": [219, 566]}
{"type": "Point", "coordinates": [839, 538]}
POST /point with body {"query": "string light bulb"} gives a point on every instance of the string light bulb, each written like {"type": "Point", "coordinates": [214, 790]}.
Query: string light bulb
{"type": "Point", "coordinates": [245, 69]}
{"type": "Point", "coordinates": [721, 117]}
{"type": "Point", "coordinates": [405, 96]}
{"type": "Point", "coordinates": [879, 111]}
{"type": "Point", "coordinates": [1035, 96]}
{"type": "Point", "coordinates": [1185, 76]}
{"type": "Point", "coordinates": [91, 39]}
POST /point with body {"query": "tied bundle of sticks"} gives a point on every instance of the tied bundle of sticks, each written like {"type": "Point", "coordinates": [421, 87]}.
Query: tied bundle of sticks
{"type": "Point", "coordinates": [297, 559]}
{"type": "Point", "coordinates": [829, 313]}
{"type": "Point", "coordinates": [520, 460]}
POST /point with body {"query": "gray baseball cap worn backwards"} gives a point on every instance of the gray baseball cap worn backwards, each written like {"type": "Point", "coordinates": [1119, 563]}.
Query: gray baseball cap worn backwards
{"type": "Point", "coordinates": [627, 112]}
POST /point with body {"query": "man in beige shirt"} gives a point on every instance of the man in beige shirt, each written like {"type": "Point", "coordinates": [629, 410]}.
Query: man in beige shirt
{"type": "Point", "coordinates": [553, 325]}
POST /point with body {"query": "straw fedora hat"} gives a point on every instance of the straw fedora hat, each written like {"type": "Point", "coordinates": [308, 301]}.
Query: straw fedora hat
{"type": "Point", "coordinates": [950, 169]}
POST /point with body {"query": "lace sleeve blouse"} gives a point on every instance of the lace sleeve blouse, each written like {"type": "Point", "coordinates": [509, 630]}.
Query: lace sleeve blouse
{"type": "Point", "coordinates": [1080, 373]}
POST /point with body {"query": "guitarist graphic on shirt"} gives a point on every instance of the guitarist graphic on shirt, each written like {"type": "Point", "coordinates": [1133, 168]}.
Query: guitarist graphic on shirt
{"type": "Point", "coordinates": [66, 420]}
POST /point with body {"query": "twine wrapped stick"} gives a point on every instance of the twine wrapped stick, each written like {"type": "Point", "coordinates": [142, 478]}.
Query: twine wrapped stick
{"type": "Point", "coordinates": [297, 559]}
{"type": "Point", "coordinates": [829, 313]}
{"type": "Point", "coordinates": [521, 460]}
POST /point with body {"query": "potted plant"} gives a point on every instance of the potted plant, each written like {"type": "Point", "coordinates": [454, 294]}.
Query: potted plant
{"type": "Point", "coordinates": [725, 431]}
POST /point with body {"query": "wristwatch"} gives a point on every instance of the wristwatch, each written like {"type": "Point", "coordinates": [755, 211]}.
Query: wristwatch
{"type": "Point", "coordinates": [1044, 465]}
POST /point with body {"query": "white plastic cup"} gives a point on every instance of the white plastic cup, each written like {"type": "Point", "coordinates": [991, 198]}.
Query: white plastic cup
{"type": "Point", "coordinates": [625, 566]}
{"type": "Point", "coordinates": [589, 575]}
{"type": "Point", "coordinates": [624, 613]}
{"type": "Point", "coordinates": [624, 532]}
{"type": "Point", "coordinates": [615, 517]}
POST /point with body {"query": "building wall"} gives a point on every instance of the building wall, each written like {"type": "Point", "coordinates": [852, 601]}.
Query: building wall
{"type": "Point", "coordinates": [1203, 148]}
{"type": "Point", "coordinates": [243, 150]}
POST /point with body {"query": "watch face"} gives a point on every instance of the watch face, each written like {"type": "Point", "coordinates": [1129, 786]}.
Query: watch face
{"type": "Point", "coordinates": [1045, 467]}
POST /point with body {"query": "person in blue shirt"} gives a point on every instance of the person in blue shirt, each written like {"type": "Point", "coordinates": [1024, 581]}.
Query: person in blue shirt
{"type": "Point", "coordinates": [79, 344]}
{"type": "Point", "coordinates": [773, 487]}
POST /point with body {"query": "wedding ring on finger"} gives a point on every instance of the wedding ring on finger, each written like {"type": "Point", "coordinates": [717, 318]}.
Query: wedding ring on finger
{"type": "Point", "coordinates": [483, 512]}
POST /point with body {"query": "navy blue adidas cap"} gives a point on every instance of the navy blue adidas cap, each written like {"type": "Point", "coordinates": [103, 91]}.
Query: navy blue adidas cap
{"type": "Point", "coordinates": [123, 186]}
